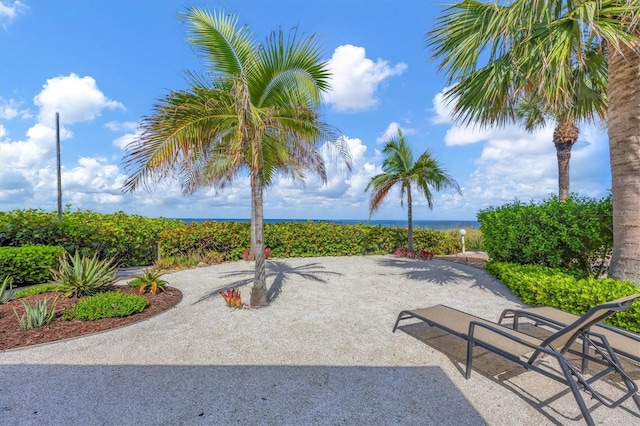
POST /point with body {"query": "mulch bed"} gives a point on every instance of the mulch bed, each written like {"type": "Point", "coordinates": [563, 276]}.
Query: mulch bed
{"type": "Point", "coordinates": [11, 336]}
{"type": "Point", "coordinates": [475, 261]}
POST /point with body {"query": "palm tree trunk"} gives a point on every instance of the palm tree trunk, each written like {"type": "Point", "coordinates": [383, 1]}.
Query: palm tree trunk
{"type": "Point", "coordinates": [259, 295]}
{"type": "Point", "coordinates": [409, 219]}
{"type": "Point", "coordinates": [624, 149]}
{"type": "Point", "coordinates": [563, 151]}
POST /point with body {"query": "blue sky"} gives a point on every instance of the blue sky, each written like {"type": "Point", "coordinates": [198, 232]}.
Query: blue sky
{"type": "Point", "coordinates": [102, 65]}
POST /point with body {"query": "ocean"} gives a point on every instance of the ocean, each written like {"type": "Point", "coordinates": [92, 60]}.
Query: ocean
{"type": "Point", "coordinates": [428, 224]}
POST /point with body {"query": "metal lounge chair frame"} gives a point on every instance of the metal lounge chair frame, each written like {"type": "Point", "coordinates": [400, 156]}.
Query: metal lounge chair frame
{"type": "Point", "coordinates": [524, 349]}
{"type": "Point", "coordinates": [623, 342]}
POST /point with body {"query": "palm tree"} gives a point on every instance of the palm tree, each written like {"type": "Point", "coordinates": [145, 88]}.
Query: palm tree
{"type": "Point", "coordinates": [399, 168]}
{"type": "Point", "coordinates": [255, 111]}
{"type": "Point", "coordinates": [532, 49]}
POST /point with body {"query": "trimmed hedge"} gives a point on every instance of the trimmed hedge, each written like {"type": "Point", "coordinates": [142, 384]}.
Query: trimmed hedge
{"type": "Point", "coordinates": [131, 239]}
{"type": "Point", "coordinates": [29, 264]}
{"type": "Point", "coordinates": [541, 286]}
{"type": "Point", "coordinates": [301, 239]}
{"type": "Point", "coordinates": [576, 234]}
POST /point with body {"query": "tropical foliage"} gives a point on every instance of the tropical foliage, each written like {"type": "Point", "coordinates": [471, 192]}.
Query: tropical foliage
{"type": "Point", "coordinates": [36, 315]}
{"type": "Point", "coordinates": [79, 275]}
{"type": "Point", "coordinates": [149, 281]}
{"type": "Point", "coordinates": [500, 52]}
{"type": "Point", "coordinates": [400, 169]}
{"type": "Point", "coordinates": [255, 110]}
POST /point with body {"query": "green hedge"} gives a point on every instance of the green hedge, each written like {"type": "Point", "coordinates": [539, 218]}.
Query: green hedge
{"type": "Point", "coordinates": [542, 286]}
{"type": "Point", "coordinates": [301, 239]}
{"type": "Point", "coordinates": [576, 234]}
{"type": "Point", "coordinates": [131, 239]}
{"type": "Point", "coordinates": [29, 264]}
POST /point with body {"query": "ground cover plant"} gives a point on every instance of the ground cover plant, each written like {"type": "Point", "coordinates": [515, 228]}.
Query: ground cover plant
{"type": "Point", "coordinates": [110, 304]}
{"type": "Point", "coordinates": [543, 286]}
{"type": "Point", "coordinates": [36, 289]}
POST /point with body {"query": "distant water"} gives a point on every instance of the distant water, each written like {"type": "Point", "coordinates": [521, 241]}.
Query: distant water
{"type": "Point", "coordinates": [429, 224]}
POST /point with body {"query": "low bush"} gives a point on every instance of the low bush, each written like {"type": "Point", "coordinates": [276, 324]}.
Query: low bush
{"type": "Point", "coordinates": [36, 289]}
{"type": "Point", "coordinates": [110, 304]}
{"type": "Point", "coordinates": [576, 234]}
{"type": "Point", "coordinates": [543, 286]}
{"type": "Point", "coordinates": [29, 264]}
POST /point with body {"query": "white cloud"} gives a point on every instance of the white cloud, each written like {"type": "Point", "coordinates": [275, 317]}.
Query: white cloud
{"type": "Point", "coordinates": [124, 140]}
{"type": "Point", "coordinates": [11, 10]}
{"type": "Point", "coordinates": [392, 131]}
{"type": "Point", "coordinates": [514, 163]}
{"type": "Point", "coordinates": [356, 78]}
{"type": "Point", "coordinates": [11, 109]}
{"type": "Point", "coordinates": [127, 126]}
{"type": "Point", "coordinates": [76, 98]}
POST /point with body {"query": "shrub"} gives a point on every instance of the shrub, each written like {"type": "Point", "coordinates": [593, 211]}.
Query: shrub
{"type": "Point", "coordinates": [246, 255]}
{"type": "Point", "coordinates": [540, 285]}
{"type": "Point", "coordinates": [36, 289]}
{"type": "Point", "coordinates": [106, 305]}
{"type": "Point", "coordinates": [7, 284]}
{"type": "Point", "coordinates": [37, 315]}
{"type": "Point", "coordinates": [150, 280]}
{"type": "Point", "coordinates": [82, 276]}
{"type": "Point", "coordinates": [575, 234]}
{"type": "Point", "coordinates": [29, 264]}
{"type": "Point", "coordinates": [131, 239]}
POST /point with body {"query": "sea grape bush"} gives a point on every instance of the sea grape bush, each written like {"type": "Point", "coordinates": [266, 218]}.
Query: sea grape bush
{"type": "Point", "coordinates": [575, 234]}
{"type": "Point", "coordinates": [544, 286]}
{"type": "Point", "coordinates": [29, 264]}
{"type": "Point", "coordinates": [131, 239]}
{"type": "Point", "coordinates": [135, 240]}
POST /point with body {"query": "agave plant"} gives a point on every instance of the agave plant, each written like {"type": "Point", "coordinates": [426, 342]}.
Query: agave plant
{"type": "Point", "coordinates": [83, 276]}
{"type": "Point", "coordinates": [37, 315]}
{"type": "Point", "coordinates": [7, 284]}
{"type": "Point", "coordinates": [150, 280]}
{"type": "Point", "coordinates": [232, 297]}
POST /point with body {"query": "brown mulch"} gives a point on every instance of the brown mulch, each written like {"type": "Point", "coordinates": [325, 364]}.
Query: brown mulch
{"type": "Point", "coordinates": [11, 336]}
{"type": "Point", "coordinates": [475, 261]}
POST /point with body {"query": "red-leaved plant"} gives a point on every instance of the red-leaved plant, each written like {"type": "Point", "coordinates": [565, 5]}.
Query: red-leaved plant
{"type": "Point", "coordinates": [422, 254]}
{"type": "Point", "coordinates": [248, 256]}
{"type": "Point", "coordinates": [232, 297]}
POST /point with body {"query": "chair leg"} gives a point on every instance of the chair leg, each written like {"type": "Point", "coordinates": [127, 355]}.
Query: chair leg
{"type": "Point", "coordinates": [575, 391]}
{"type": "Point", "coordinates": [470, 344]}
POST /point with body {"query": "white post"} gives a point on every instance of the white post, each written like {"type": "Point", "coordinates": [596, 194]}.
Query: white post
{"type": "Point", "coordinates": [462, 234]}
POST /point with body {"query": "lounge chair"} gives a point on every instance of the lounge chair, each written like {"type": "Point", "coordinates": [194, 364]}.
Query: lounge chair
{"type": "Point", "coordinates": [524, 349]}
{"type": "Point", "coordinates": [623, 342]}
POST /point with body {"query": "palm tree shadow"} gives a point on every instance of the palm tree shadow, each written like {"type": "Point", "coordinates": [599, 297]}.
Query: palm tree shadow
{"type": "Point", "coordinates": [443, 273]}
{"type": "Point", "coordinates": [279, 271]}
{"type": "Point", "coordinates": [420, 270]}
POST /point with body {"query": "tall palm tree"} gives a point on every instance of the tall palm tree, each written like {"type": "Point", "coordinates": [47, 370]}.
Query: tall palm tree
{"type": "Point", "coordinates": [499, 52]}
{"type": "Point", "coordinates": [255, 111]}
{"type": "Point", "coordinates": [399, 168]}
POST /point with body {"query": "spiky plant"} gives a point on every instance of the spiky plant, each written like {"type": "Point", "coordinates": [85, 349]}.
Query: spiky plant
{"type": "Point", "coordinates": [7, 284]}
{"type": "Point", "coordinates": [83, 276]}
{"type": "Point", "coordinates": [150, 280]}
{"type": "Point", "coordinates": [37, 315]}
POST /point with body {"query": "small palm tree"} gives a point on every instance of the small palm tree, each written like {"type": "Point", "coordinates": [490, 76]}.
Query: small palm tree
{"type": "Point", "coordinates": [256, 111]}
{"type": "Point", "coordinates": [399, 168]}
